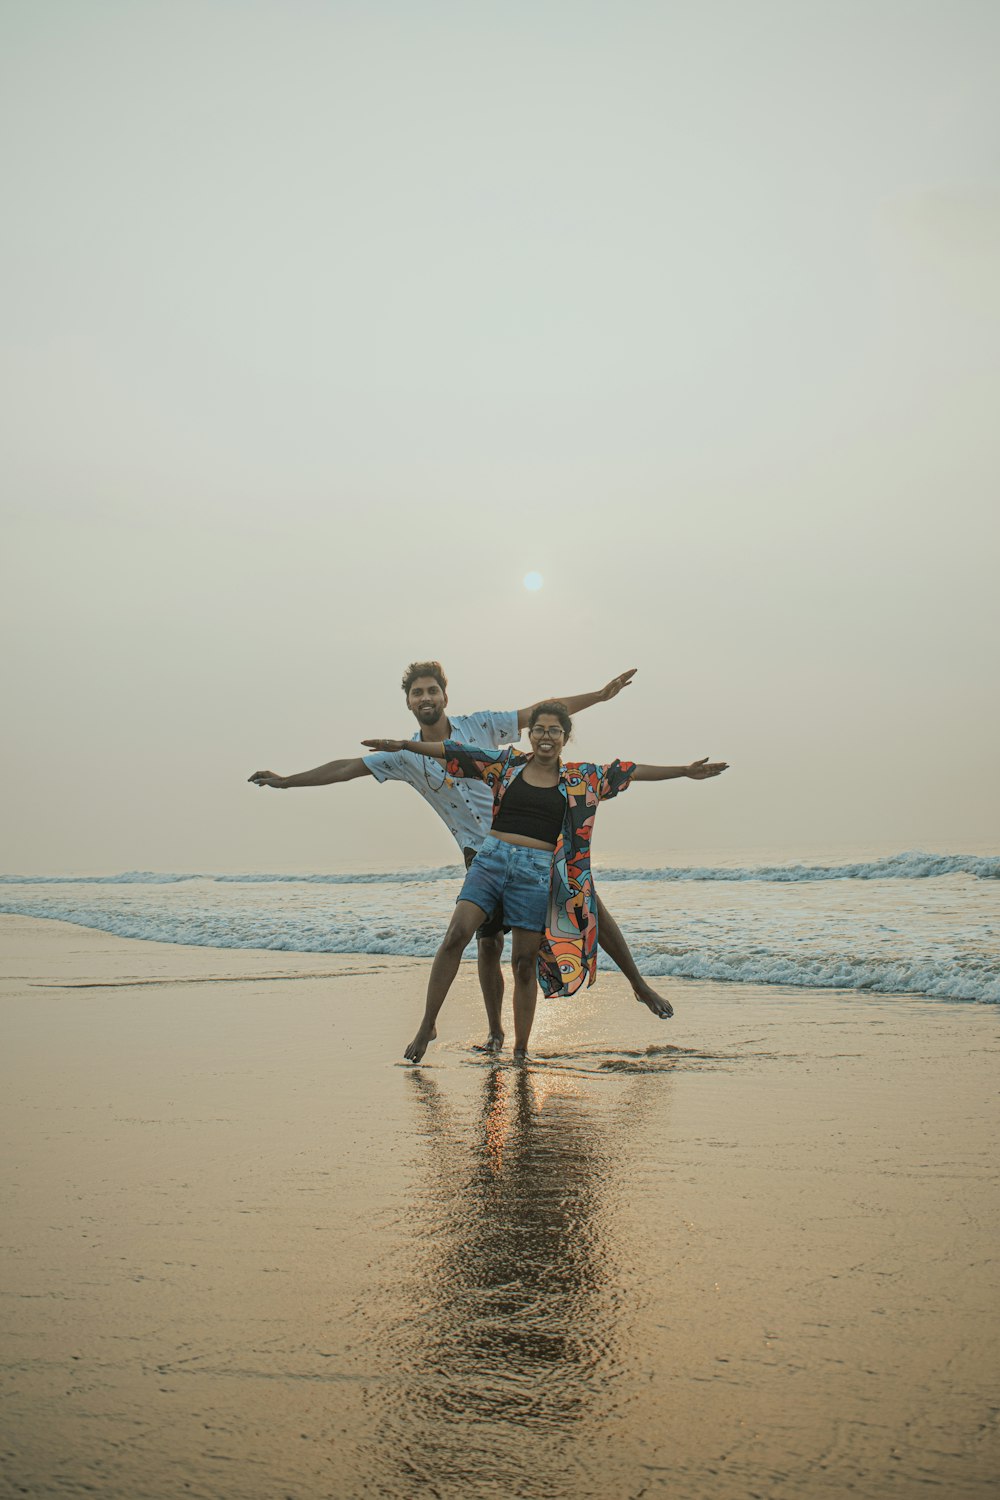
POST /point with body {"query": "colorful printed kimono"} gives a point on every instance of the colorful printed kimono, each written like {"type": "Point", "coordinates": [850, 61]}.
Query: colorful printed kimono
{"type": "Point", "coordinates": [568, 954]}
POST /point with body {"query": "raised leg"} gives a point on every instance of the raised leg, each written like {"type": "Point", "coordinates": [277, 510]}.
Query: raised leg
{"type": "Point", "coordinates": [466, 917]}
{"type": "Point", "coordinates": [524, 955]}
{"type": "Point", "coordinates": [610, 938]}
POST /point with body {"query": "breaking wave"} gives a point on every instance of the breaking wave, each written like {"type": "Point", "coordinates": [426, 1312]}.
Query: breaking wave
{"type": "Point", "coordinates": [912, 865]}
{"type": "Point", "coordinates": [957, 977]}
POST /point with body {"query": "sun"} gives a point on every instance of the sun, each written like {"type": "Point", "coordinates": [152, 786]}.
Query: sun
{"type": "Point", "coordinates": [533, 581]}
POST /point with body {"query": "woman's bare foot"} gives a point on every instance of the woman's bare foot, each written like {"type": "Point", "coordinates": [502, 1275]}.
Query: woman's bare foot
{"type": "Point", "coordinates": [419, 1045]}
{"type": "Point", "coordinates": [493, 1043]}
{"type": "Point", "coordinates": [520, 1054]}
{"type": "Point", "coordinates": [648, 996]}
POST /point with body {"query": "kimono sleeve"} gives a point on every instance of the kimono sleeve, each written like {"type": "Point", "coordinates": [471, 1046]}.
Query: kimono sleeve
{"type": "Point", "coordinates": [614, 778]}
{"type": "Point", "coordinates": [470, 760]}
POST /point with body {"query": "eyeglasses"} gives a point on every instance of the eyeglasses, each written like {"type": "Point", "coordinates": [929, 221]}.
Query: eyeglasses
{"type": "Point", "coordinates": [547, 732]}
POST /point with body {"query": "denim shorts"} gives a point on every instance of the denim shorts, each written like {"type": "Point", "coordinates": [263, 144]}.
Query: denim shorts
{"type": "Point", "coordinates": [493, 927]}
{"type": "Point", "coordinates": [514, 878]}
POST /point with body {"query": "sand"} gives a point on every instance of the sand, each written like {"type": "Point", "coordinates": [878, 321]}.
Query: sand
{"type": "Point", "coordinates": [247, 1253]}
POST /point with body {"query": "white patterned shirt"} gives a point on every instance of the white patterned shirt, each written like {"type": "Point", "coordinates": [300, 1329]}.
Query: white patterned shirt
{"type": "Point", "coordinates": [466, 806]}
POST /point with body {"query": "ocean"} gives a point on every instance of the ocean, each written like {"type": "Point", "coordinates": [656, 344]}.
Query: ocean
{"type": "Point", "coordinates": [910, 923]}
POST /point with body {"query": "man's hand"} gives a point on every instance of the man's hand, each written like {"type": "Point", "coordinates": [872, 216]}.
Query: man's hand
{"type": "Point", "coordinates": [268, 778]}
{"type": "Point", "coordinates": [701, 770]}
{"type": "Point", "coordinates": [387, 744]}
{"type": "Point", "coordinates": [577, 702]}
{"type": "Point", "coordinates": [615, 686]}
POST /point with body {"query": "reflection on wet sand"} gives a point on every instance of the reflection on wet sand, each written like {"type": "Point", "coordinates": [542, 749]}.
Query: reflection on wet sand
{"type": "Point", "coordinates": [509, 1337]}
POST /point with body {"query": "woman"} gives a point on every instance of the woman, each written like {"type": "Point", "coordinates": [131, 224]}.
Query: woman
{"type": "Point", "coordinates": [535, 862]}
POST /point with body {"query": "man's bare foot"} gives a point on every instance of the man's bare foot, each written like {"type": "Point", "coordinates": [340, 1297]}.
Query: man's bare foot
{"type": "Point", "coordinates": [520, 1054]}
{"type": "Point", "coordinates": [493, 1043]}
{"type": "Point", "coordinates": [419, 1045]}
{"type": "Point", "coordinates": [660, 1007]}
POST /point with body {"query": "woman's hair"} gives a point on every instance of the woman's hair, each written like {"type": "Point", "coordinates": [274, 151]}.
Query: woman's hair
{"type": "Point", "coordinates": [424, 669]}
{"type": "Point", "coordinates": [557, 710]}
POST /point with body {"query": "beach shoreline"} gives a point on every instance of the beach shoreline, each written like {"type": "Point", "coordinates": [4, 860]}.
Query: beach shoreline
{"type": "Point", "coordinates": [249, 1253]}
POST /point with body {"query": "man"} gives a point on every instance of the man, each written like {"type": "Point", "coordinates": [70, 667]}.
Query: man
{"type": "Point", "coordinates": [466, 807]}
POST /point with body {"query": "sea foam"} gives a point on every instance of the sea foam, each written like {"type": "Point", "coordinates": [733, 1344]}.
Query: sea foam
{"type": "Point", "coordinates": [912, 865]}
{"type": "Point", "coordinates": [957, 977]}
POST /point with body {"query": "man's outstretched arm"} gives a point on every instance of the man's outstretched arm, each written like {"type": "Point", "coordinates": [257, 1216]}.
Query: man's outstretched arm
{"type": "Point", "coordinates": [333, 771]}
{"type": "Point", "coordinates": [576, 703]}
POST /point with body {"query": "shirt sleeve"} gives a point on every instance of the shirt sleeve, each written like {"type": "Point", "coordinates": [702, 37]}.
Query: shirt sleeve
{"type": "Point", "coordinates": [387, 765]}
{"type": "Point", "coordinates": [470, 760]}
{"type": "Point", "coordinates": [499, 728]}
{"type": "Point", "coordinates": [615, 778]}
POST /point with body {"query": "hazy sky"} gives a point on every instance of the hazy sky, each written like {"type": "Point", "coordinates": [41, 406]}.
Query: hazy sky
{"type": "Point", "coordinates": [325, 322]}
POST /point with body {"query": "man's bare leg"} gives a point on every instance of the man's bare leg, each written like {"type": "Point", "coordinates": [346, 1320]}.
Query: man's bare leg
{"type": "Point", "coordinates": [609, 937]}
{"type": "Point", "coordinates": [489, 952]}
{"type": "Point", "coordinates": [524, 958]}
{"type": "Point", "coordinates": [466, 917]}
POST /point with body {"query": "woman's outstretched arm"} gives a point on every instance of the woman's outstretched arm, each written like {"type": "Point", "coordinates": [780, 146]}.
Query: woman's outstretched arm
{"type": "Point", "coordinates": [459, 759]}
{"type": "Point", "coordinates": [419, 747]}
{"type": "Point", "coordinates": [698, 770]}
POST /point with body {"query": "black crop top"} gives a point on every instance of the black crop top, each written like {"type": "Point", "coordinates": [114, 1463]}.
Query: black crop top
{"type": "Point", "coordinates": [535, 812]}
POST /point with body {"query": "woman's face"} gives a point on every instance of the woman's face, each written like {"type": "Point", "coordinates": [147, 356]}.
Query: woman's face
{"type": "Point", "coordinates": [547, 738]}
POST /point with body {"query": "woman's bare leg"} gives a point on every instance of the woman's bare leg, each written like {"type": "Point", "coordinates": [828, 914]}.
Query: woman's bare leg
{"type": "Point", "coordinates": [466, 917]}
{"type": "Point", "coordinates": [524, 957]}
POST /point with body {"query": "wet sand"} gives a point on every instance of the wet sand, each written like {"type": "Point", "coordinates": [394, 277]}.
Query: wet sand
{"type": "Point", "coordinates": [247, 1253]}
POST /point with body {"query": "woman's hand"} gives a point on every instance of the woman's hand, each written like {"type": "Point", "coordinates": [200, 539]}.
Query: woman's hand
{"type": "Point", "coordinates": [388, 744]}
{"type": "Point", "coordinates": [701, 770]}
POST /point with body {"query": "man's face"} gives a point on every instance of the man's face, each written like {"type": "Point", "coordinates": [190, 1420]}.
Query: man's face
{"type": "Point", "coordinates": [426, 700]}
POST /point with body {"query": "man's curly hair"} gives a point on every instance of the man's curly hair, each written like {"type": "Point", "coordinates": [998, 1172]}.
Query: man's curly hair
{"type": "Point", "coordinates": [424, 669]}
